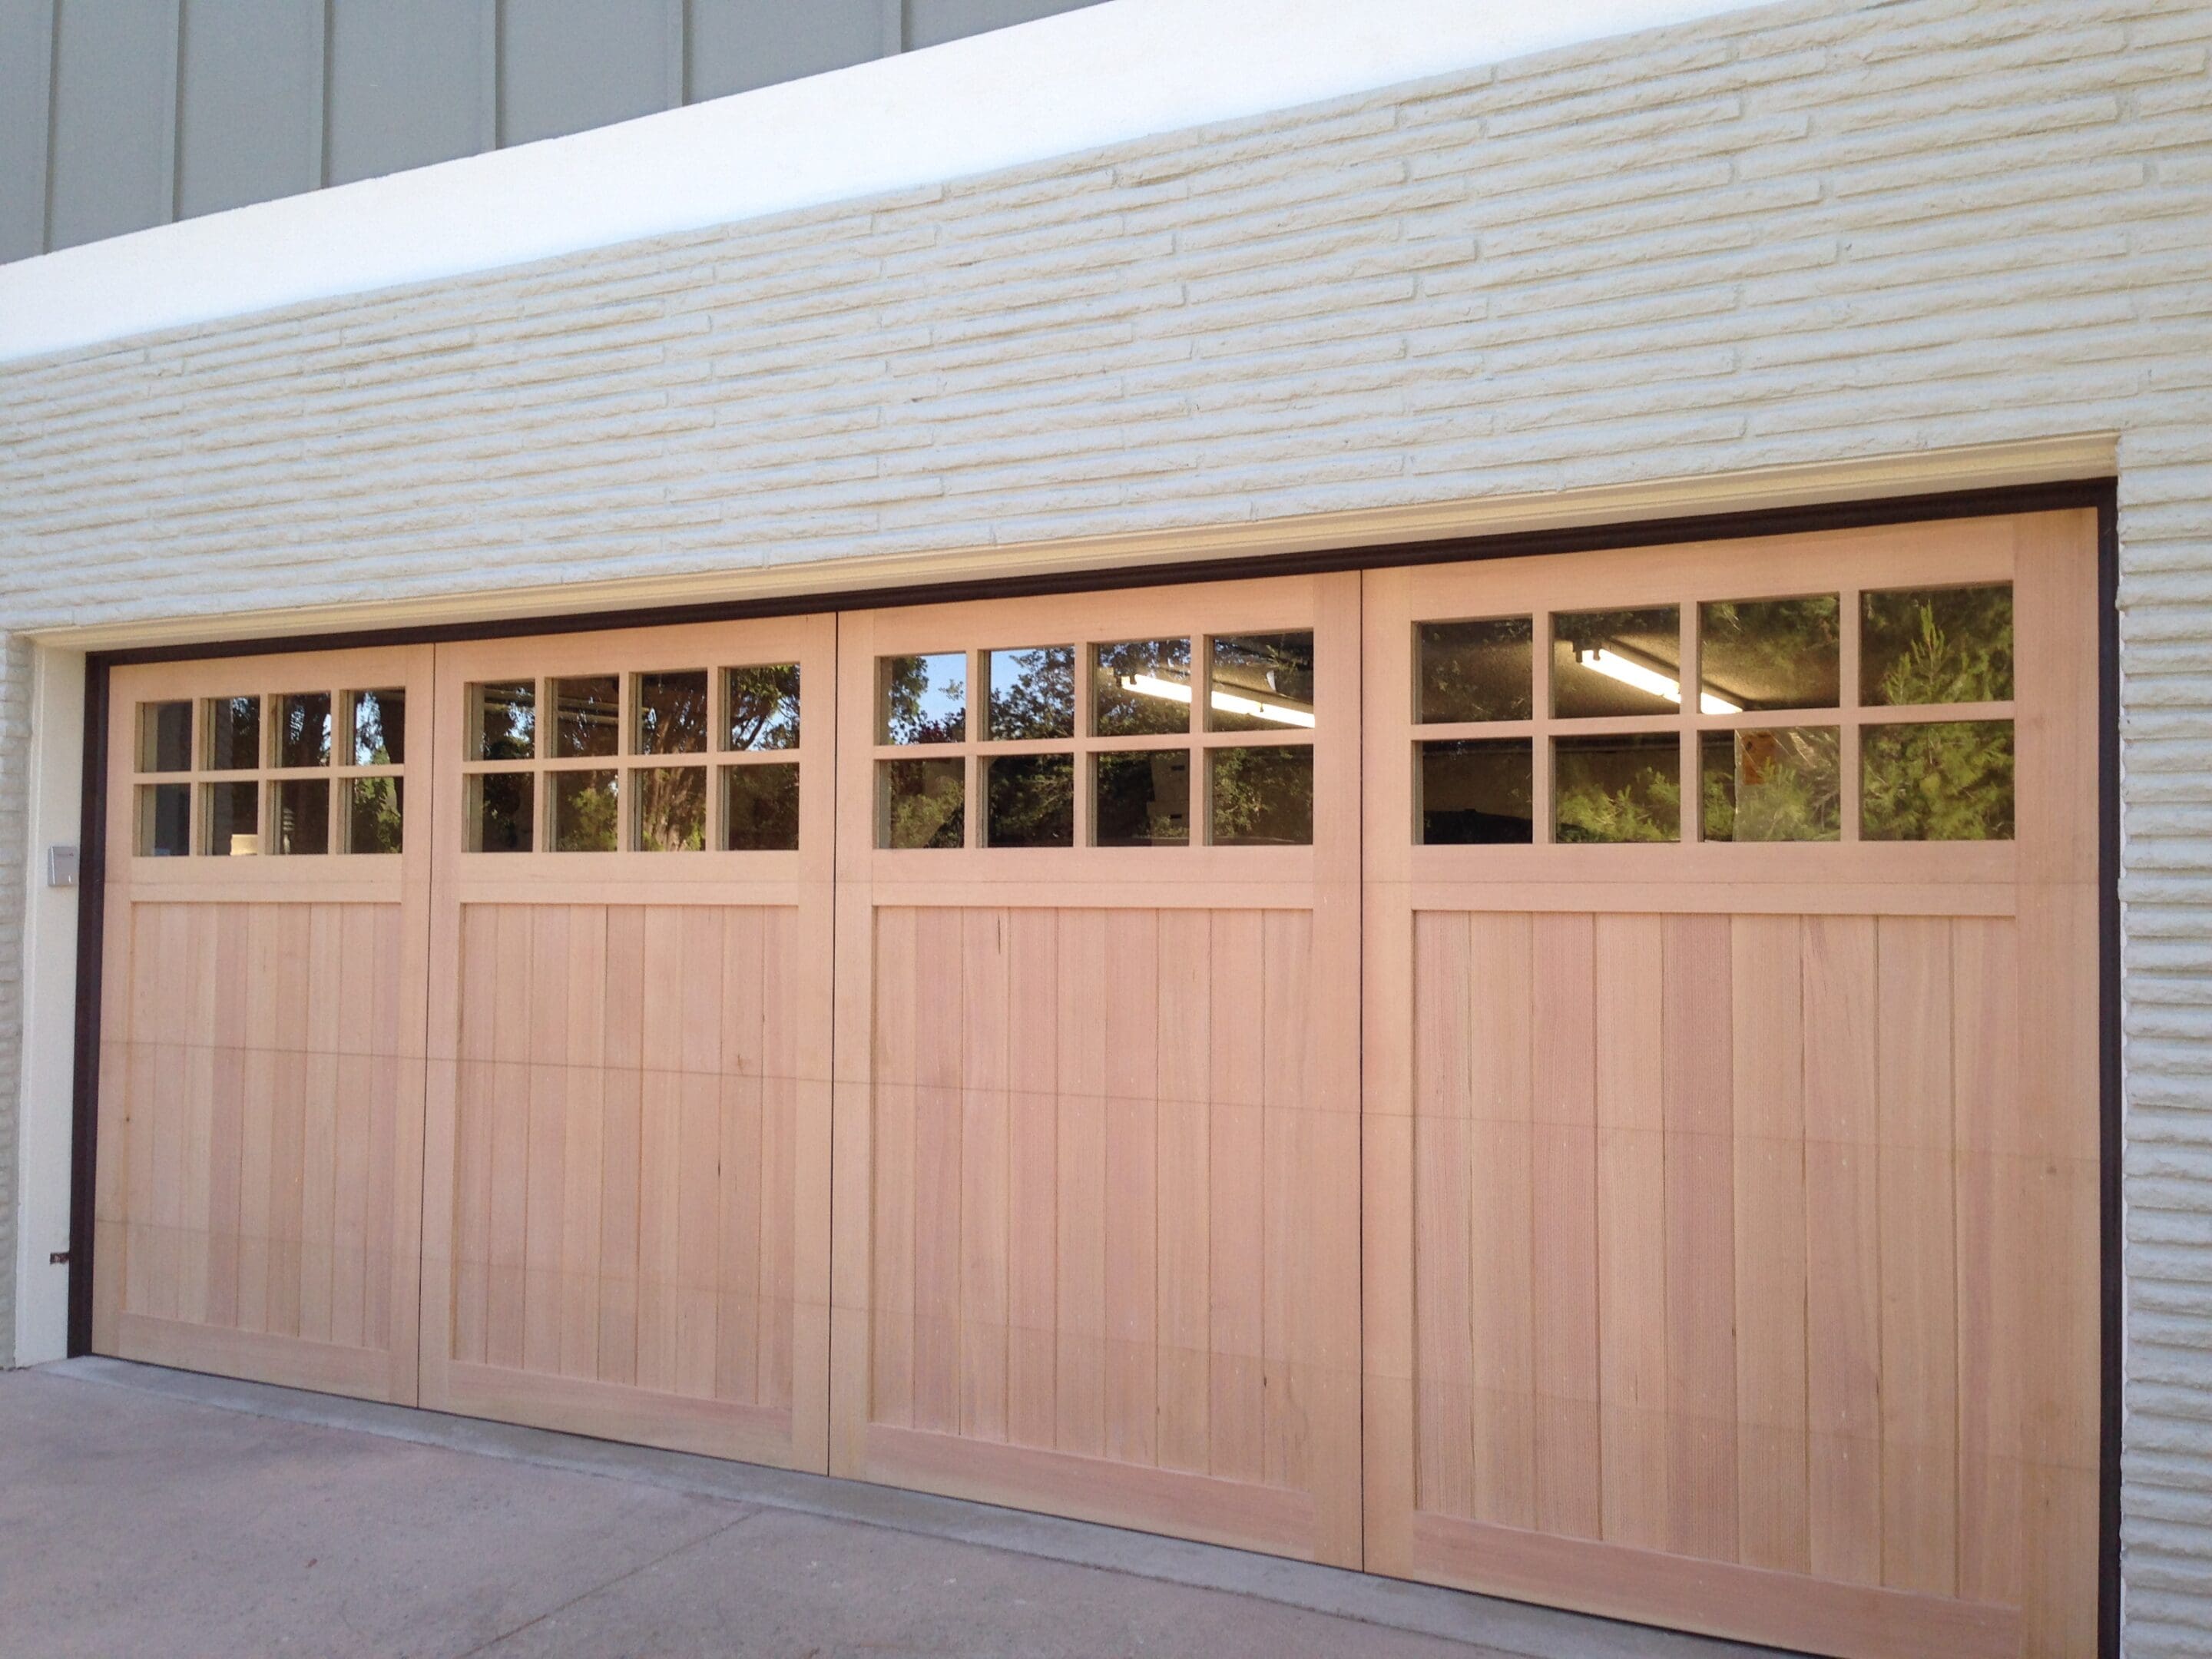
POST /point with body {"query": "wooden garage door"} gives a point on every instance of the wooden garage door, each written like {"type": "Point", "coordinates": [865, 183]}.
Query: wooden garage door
{"type": "Point", "coordinates": [626, 1181]}
{"type": "Point", "coordinates": [259, 1152]}
{"type": "Point", "coordinates": [1097, 1129]}
{"type": "Point", "coordinates": [1731, 1085]}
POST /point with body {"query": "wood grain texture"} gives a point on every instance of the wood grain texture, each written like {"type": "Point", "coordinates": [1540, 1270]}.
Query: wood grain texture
{"type": "Point", "coordinates": [1803, 1222]}
{"type": "Point", "coordinates": [1108, 1096]}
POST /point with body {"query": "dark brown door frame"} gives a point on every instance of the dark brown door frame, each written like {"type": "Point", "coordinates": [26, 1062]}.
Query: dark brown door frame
{"type": "Point", "coordinates": [2100, 494]}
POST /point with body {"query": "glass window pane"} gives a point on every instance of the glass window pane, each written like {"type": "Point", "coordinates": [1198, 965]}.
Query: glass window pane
{"type": "Point", "coordinates": [165, 736]}
{"type": "Point", "coordinates": [1142, 799]}
{"type": "Point", "coordinates": [1261, 797]}
{"type": "Point", "coordinates": [1476, 671]}
{"type": "Point", "coordinates": [1936, 644]}
{"type": "Point", "coordinates": [234, 734]}
{"type": "Point", "coordinates": [760, 809]}
{"type": "Point", "coordinates": [586, 808]}
{"type": "Point", "coordinates": [1478, 792]}
{"type": "Point", "coordinates": [164, 820]}
{"type": "Point", "coordinates": [1140, 687]}
{"type": "Point", "coordinates": [300, 816]}
{"type": "Point", "coordinates": [303, 729]}
{"type": "Point", "coordinates": [672, 807]}
{"type": "Point", "coordinates": [764, 706]}
{"type": "Point", "coordinates": [922, 699]}
{"type": "Point", "coordinates": [503, 716]}
{"type": "Point", "coordinates": [1033, 692]}
{"type": "Point", "coordinates": [1617, 788]}
{"type": "Point", "coordinates": [1616, 662]}
{"type": "Point", "coordinates": [233, 819]}
{"type": "Point", "coordinates": [374, 815]}
{"type": "Point", "coordinates": [1030, 800]}
{"type": "Point", "coordinates": [1947, 780]}
{"type": "Point", "coordinates": [920, 803]}
{"type": "Point", "coordinates": [379, 728]}
{"type": "Point", "coordinates": [671, 714]}
{"type": "Point", "coordinates": [1261, 682]}
{"type": "Point", "coordinates": [587, 716]}
{"type": "Point", "coordinates": [1783, 785]}
{"type": "Point", "coordinates": [502, 812]}
{"type": "Point", "coordinates": [1769, 653]}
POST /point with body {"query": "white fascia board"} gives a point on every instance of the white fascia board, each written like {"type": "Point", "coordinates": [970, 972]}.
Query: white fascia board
{"type": "Point", "coordinates": [1105, 75]}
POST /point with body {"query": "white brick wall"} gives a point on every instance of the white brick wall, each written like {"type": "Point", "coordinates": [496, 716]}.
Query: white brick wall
{"type": "Point", "coordinates": [1801, 233]}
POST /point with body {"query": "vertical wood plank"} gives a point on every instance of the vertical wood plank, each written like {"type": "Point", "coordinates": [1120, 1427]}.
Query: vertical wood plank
{"type": "Point", "coordinates": [583, 1160]}
{"type": "Point", "coordinates": [1185, 1176]}
{"type": "Point", "coordinates": [1633, 1259]}
{"type": "Point", "coordinates": [698, 1227]}
{"type": "Point", "coordinates": [622, 1143]}
{"type": "Point", "coordinates": [1992, 1255]}
{"type": "Point", "coordinates": [892, 1155]}
{"type": "Point", "coordinates": [1499, 1017]}
{"type": "Point", "coordinates": [1080, 1018]}
{"type": "Point", "coordinates": [1842, 1314]}
{"type": "Point", "coordinates": [1032, 1225]}
{"type": "Point", "coordinates": [1444, 1455]}
{"type": "Point", "coordinates": [1131, 992]}
{"type": "Point", "coordinates": [937, 1113]}
{"type": "Point", "coordinates": [1290, 1146]}
{"type": "Point", "coordinates": [1766, 985]}
{"type": "Point", "coordinates": [1238, 1253]}
{"type": "Point", "coordinates": [983, 1167]}
{"type": "Point", "coordinates": [1564, 1274]}
{"type": "Point", "coordinates": [1701, 1397]}
{"type": "Point", "coordinates": [1919, 1314]}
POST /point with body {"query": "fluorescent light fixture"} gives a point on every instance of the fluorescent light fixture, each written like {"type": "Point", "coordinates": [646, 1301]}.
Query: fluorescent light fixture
{"type": "Point", "coordinates": [1230, 703]}
{"type": "Point", "coordinates": [1650, 680]}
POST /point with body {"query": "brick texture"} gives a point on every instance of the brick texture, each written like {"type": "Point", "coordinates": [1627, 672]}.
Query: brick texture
{"type": "Point", "coordinates": [1794, 234]}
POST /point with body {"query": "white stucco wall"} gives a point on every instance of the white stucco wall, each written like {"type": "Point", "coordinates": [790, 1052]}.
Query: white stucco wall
{"type": "Point", "coordinates": [1771, 237]}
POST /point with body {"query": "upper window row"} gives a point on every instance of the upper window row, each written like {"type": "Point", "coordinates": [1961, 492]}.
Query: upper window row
{"type": "Point", "coordinates": [1777, 749]}
{"type": "Point", "coordinates": [1133, 778]}
{"type": "Point", "coordinates": [1918, 646]}
{"type": "Point", "coordinates": [543, 771]}
{"type": "Point", "coordinates": [286, 739]}
{"type": "Point", "coordinates": [1139, 689]}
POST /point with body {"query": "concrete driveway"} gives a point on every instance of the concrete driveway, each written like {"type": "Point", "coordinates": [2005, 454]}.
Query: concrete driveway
{"type": "Point", "coordinates": [152, 1512]}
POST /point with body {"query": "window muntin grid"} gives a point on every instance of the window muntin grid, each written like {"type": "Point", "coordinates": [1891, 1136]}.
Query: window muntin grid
{"type": "Point", "coordinates": [1814, 754]}
{"type": "Point", "coordinates": [683, 759]}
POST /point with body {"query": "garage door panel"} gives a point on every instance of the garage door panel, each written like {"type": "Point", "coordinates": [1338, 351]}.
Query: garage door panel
{"type": "Point", "coordinates": [1100, 1127]}
{"type": "Point", "coordinates": [1726, 1211]}
{"type": "Point", "coordinates": [627, 1225]}
{"type": "Point", "coordinates": [263, 1033]}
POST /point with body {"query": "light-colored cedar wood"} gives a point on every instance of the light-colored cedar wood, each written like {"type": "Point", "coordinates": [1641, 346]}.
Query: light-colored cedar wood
{"type": "Point", "coordinates": [1280, 1520]}
{"type": "Point", "coordinates": [1919, 1314]}
{"type": "Point", "coordinates": [1080, 1412]}
{"type": "Point", "coordinates": [1123, 1235]}
{"type": "Point", "coordinates": [983, 1175]}
{"type": "Point", "coordinates": [1182, 1381]}
{"type": "Point", "coordinates": [255, 1213]}
{"type": "Point", "coordinates": [1130, 988]}
{"type": "Point", "coordinates": [1716, 1597]}
{"type": "Point", "coordinates": [1766, 987]}
{"type": "Point", "coordinates": [1564, 1253]}
{"type": "Point", "coordinates": [627, 1179]}
{"type": "Point", "coordinates": [1502, 1264]}
{"type": "Point", "coordinates": [1986, 1041]}
{"type": "Point", "coordinates": [1699, 1115]}
{"type": "Point", "coordinates": [1033, 1158]}
{"type": "Point", "coordinates": [1443, 1211]}
{"type": "Point", "coordinates": [1633, 1255]}
{"type": "Point", "coordinates": [1238, 1250]}
{"type": "Point", "coordinates": [1842, 1306]}
{"type": "Point", "coordinates": [1841, 1309]}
